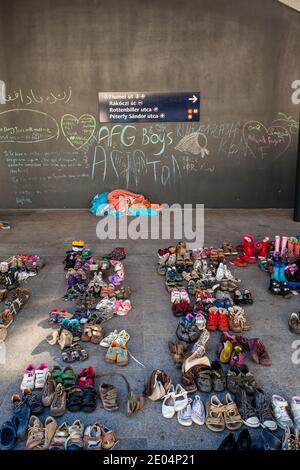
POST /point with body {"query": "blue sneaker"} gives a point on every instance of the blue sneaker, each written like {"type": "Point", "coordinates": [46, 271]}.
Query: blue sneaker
{"type": "Point", "coordinates": [8, 436]}
{"type": "Point", "coordinates": [20, 417]}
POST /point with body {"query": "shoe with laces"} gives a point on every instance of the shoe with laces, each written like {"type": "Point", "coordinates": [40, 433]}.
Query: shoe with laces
{"type": "Point", "coordinates": [295, 410]}
{"type": "Point", "coordinates": [198, 411]}
{"type": "Point", "coordinates": [246, 409]}
{"type": "Point", "coordinates": [28, 378]}
{"type": "Point", "coordinates": [280, 411]}
{"type": "Point", "coordinates": [263, 410]}
{"type": "Point", "coordinates": [184, 416]}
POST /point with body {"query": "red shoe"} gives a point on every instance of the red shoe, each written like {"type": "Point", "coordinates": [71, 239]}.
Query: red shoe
{"type": "Point", "coordinates": [264, 248]}
{"type": "Point", "coordinates": [222, 321]}
{"type": "Point", "coordinates": [213, 319]}
{"type": "Point", "coordinates": [248, 250]}
{"type": "Point", "coordinates": [86, 377]}
{"type": "Point", "coordinates": [239, 261]}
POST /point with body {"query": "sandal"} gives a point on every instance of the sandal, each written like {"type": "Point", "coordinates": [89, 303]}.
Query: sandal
{"type": "Point", "coordinates": [86, 377]}
{"type": "Point", "coordinates": [89, 402]}
{"type": "Point", "coordinates": [75, 397]}
{"type": "Point", "coordinates": [92, 438]}
{"type": "Point", "coordinates": [75, 438]}
{"type": "Point", "coordinates": [109, 439]}
{"type": "Point", "coordinates": [60, 437]}
{"type": "Point", "coordinates": [97, 333]}
{"type": "Point", "coordinates": [232, 417]}
{"type": "Point", "coordinates": [69, 378]}
{"type": "Point", "coordinates": [214, 415]}
{"type": "Point", "coordinates": [213, 255]}
{"type": "Point", "coordinates": [87, 332]}
{"type": "Point", "coordinates": [122, 356]}
{"type": "Point", "coordinates": [109, 397]}
{"type": "Point", "coordinates": [56, 373]}
{"type": "Point", "coordinates": [204, 379]}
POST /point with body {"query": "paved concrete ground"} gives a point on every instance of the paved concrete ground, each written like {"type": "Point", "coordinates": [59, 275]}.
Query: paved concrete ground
{"type": "Point", "coordinates": [150, 323]}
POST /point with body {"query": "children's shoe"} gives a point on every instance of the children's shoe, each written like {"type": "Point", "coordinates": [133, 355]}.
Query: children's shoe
{"type": "Point", "coordinates": [198, 411]}
{"type": "Point", "coordinates": [122, 338]}
{"type": "Point", "coordinates": [122, 356]}
{"type": "Point", "coordinates": [222, 320]}
{"type": "Point", "coordinates": [185, 416]}
{"type": "Point", "coordinates": [237, 357]}
{"type": "Point", "coordinates": [106, 342]}
{"type": "Point", "coordinates": [213, 318]}
{"type": "Point", "coordinates": [28, 378]}
{"type": "Point", "coordinates": [112, 352]}
{"type": "Point", "coordinates": [40, 375]}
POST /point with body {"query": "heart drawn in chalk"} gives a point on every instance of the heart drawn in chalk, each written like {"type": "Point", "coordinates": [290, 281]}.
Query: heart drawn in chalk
{"type": "Point", "coordinates": [78, 131]}
{"type": "Point", "coordinates": [266, 142]}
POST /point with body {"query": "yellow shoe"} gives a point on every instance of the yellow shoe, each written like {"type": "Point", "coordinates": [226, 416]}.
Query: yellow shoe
{"type": "Point", "coordinates": [226, 352]}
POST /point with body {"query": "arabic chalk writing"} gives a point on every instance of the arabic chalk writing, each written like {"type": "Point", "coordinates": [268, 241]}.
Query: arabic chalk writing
{"type": "Point", "coordinates": [28, 97]}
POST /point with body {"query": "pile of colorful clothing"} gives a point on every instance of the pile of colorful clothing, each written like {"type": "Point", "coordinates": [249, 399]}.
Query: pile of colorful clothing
{"type": "Point", "coordinates": [121, 202]}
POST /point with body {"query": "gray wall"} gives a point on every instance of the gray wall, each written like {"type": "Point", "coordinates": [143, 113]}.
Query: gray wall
{"type": "Point", "coordinates": [55, 55]}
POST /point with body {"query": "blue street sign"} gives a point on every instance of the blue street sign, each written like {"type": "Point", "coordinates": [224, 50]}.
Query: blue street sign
{"type": "Point", "coordinates": [143, 106]}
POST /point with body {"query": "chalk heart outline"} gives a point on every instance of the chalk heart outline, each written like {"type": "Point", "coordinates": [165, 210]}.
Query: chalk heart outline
{"type": "Point", "coordinates": [76, 125]}
{"type": "Point", "coordinates": [264, 131]}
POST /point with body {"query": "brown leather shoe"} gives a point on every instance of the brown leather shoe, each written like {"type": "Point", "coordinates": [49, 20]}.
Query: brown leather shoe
{"type": "Point", "coordinates": [109, 397]}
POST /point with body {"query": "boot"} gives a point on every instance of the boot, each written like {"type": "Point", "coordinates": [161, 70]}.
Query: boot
{"type": "Point", "coordinates": [248, 250]}
{"type": "Point", "coordinates": [264, 248]}
{"type": "Point", "coordinates": [284, 241]}
{"type": "Point", "coordinates": [291, 246]}
{"type": "Point", "coordinates": [258, 352]}
{"type": "Point", "coordinates": [277, 245]}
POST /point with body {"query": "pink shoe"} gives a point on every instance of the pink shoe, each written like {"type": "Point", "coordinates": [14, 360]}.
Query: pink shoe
{"type": "Point", "coordinates": [28, 378]}
{"type": "Point", "coordinates": [40, 375]}
{"type": "Point", "coordinates": [124, 308]}
{"type": "Point", "coordinates": [277, 245]}
{"type": "Point", "coordinates": [284, 241]}
{"type": "Point", "coordinates": [237, 357]}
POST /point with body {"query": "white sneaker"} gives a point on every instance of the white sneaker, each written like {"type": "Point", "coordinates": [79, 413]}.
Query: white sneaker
{"type": "Point", "coordinates": [220, 272]}
{"type": "Point", "coordinates": [185, 416]}
{"type": "Point", "coordinates": [280, 410]}
{"type": "Point", "coordinates": [295, 409]}
{"type": "Point", "coordinates": [28, 378]}
{"type": "Point", "coordinates": [168, 404]}
{"type": "Point", "coordinates": [40, 375]}
{"type": "Point", "coordinates": [227, 273]}
{"type": "Point", "coordinates": [198, 411]}
{"type": "Point", "coordinates": [106, 342]}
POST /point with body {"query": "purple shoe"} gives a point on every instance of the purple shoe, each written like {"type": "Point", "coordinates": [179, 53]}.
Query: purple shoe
{"type": "Point", "coordinates": [237, 357]}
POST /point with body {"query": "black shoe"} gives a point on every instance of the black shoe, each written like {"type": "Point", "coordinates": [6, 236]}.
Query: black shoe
{"type": "Point", "coordinates": [246, 409]}
{"type": "Point", "coordinates": [263, 410]}
{"type": "Point", "coordinates": [244, 441]}
{"type": "Point", "coordinates": [238, 297]}
{"type": "Point", "coordinates": [228, 443]}
{"type": "Point", "coordinates": [271, 442]}
{"type": "Point", "coordinates": [247, 297]}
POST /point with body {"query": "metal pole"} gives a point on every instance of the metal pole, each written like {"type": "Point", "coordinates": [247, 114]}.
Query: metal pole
{"type": "Point", "coordinates": [297, 186]}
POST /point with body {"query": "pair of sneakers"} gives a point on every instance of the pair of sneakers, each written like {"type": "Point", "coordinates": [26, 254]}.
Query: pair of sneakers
{"type": "Point", "coordinates": [194, 412]}
{"type": "Point", "coordinates": [34, 377]}
{"type": "Point", "coordinates": [120, 338]}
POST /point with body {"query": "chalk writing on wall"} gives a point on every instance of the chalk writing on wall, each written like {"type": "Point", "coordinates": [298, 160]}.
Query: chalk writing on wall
{"type": "Point", "coordinates": [194, 143]}
{"type": "Point", "coordinates": [13, 127]}
{"type": "Point", "coordinates": [78, 131]}
{"type": "Point", "coordinates": [2, 92]}
{"type": "Point", "coordinates": [29, 97]}
{"type": "Point", "coordinates": [265, 142]}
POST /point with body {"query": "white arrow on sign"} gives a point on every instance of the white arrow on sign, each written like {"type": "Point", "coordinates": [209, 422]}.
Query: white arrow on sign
{"type": "Point", "coordinates": [193, 99]}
